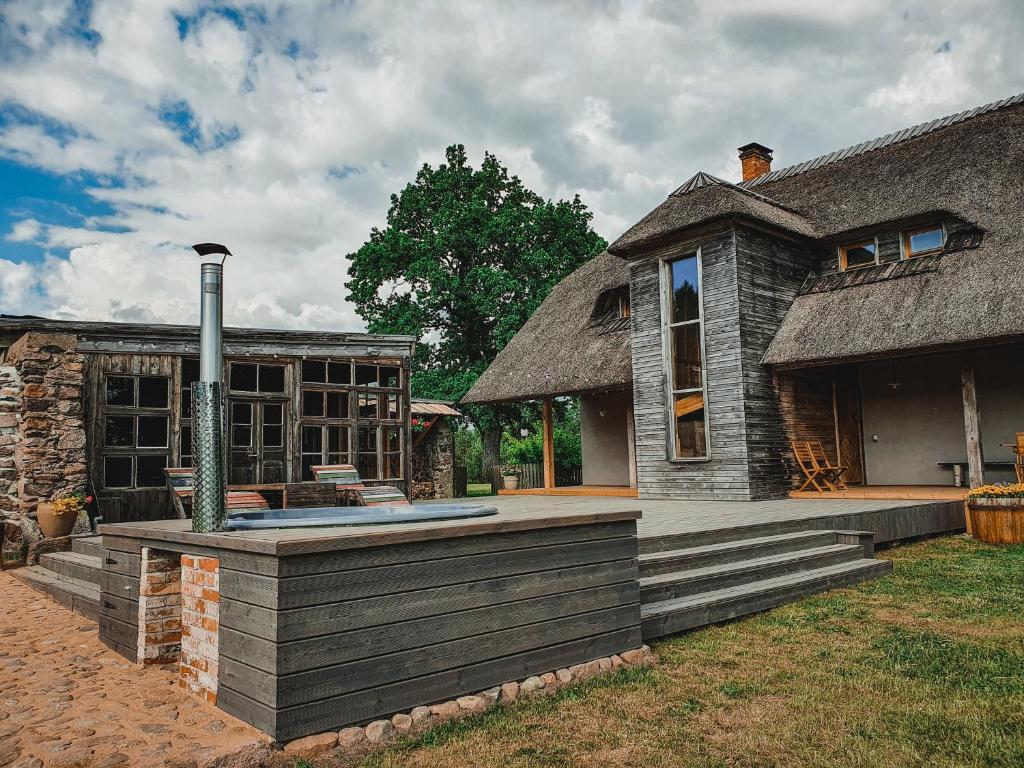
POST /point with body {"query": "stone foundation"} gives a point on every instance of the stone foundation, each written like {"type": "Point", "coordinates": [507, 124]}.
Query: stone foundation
{"type": "Point", "coordinates": [433, 463]}
{"type": "Point", "coordinates": [10, 507]}
{"type": "Point", "coordinates": [200, 626]}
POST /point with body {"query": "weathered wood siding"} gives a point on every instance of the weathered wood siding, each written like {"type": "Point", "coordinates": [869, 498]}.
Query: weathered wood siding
{"type": "Point", "coordinates": [749, 280]}
{"type": "Point", "coordinates": [312, 643]}
{"type": "Point", "coordinates": [769, 272]}
{"type": "Point", "coordinates": [119, 596]}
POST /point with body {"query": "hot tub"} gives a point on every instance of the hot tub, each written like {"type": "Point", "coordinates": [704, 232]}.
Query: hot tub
{"type": "Point", "coordinates": [310, 517]}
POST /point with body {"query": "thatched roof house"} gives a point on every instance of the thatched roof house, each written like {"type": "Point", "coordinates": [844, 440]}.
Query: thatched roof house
{"type": "Point", "coordinates": [783, 306]}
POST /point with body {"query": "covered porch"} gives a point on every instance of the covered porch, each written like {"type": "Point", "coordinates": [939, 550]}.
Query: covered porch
{"type": "Point", "coordinates": [913, 427]}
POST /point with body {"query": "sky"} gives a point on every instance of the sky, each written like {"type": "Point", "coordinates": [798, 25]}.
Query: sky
{"type": "Point", "coordinates": [131, 129]}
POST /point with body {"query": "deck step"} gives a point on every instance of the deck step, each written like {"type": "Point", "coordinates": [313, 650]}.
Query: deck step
{"type": "Point", "coordinates": [80, 596]}
{"type": "Point", "coordinates": [670, 616]}
{"type": "Point", "coordinates": [677, 584]}
{"type": "Point", "coordinates": [91, 544]}
{"type": "Point", "coordinates": [652, 542]}
{"type": "Point", "coordinates": [654, 563]}
{"type": "Point", "coordinates": [73, 565]}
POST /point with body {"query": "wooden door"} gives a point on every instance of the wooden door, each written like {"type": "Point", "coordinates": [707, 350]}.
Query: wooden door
{"type": "Point", "coordinates": [849, 433]}
{"type": "Point", "coordinates": [258, 435]}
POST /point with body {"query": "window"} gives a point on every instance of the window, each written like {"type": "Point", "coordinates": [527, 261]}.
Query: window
{"type": "Point", "coordinates": [328, 414]}
{"type": "Point", "coordinates": [857, 255]}
{"type": "Point", "coordinates": [136, 430]}
{"type": "Point", "coordinates": [919, 242]}
{"type": "Point", "coordinates": [257, 377]}
{"type": "Point", "coordinates": [685, 358]}
{"type": "Point", "coordinates": [189, 376]}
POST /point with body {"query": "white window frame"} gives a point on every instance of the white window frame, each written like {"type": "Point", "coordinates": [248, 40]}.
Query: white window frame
{"type": "Point", "coordinates": [905, 240]}
{"type": "Point", "coordinates": [665, 269]}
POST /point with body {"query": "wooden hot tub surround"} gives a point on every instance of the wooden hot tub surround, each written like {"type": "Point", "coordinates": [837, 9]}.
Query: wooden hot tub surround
{"type": "Point", "coordinates": [324, 628]}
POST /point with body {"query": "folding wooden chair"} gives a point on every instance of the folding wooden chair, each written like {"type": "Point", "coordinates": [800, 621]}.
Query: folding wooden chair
{"type": "Point", "coordinates": [817, 469]}
{"type": "Point", "coordinates": [345, 478]}
{"type": "Point", "coordinates": [181, 484]}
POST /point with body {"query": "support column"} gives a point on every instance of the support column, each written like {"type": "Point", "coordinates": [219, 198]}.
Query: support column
{"type": "Point", "coordinates": [549, 446]}
{"type": "Point", "coordinates": [972, 422]}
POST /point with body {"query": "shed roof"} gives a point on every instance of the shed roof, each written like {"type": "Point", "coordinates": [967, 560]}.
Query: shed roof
{"type": "Point", "coordinates": [421, 407]}
{"type": "Point", "coordinates": [565, 347]}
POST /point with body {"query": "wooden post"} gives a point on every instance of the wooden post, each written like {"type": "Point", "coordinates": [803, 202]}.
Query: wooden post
{"type": "Point", "coordinates": [631, 445]}
{"type": "Point", "coordinates": [972, 422]}
{"type": "Point", "coordinates": [549, 446]}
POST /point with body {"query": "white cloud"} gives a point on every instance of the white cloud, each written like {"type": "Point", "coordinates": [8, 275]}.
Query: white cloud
{"type": "Point", "coordinates": [618, 102]}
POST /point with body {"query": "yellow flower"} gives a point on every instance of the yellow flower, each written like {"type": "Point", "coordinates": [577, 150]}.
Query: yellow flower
{"type": "Point", "coordinates": [997, 491]}
{"type": "Point", "coordinates": [67, 504]}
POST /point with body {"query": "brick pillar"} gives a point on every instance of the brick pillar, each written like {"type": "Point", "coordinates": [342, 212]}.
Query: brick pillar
{"type": "Point", "coordinates": [200, 619]}
{"type": "Point", "coordinates": [159, 607]}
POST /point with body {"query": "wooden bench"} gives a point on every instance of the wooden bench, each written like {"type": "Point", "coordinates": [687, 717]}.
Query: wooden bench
{"type": "Point", "coordinates": [960, 468]}
{"type": "Point", "coordinates": [346, 481]}
{"type": "Point", "coordinates": [181, 484]}
{"type": "Point", "coordinates": [812, 460]}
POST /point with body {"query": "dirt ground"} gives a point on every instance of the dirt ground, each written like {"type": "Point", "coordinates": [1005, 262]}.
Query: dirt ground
{"type": "Point", "coordinates": [66, 700]}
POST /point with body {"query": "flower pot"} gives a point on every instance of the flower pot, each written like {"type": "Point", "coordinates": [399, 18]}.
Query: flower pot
{"type": "Point", "coordinates": [54, 526]}
{"type": "Point", "coordinates": [511, 482]}
{"type": "Point", "coordinates": [997, 521]}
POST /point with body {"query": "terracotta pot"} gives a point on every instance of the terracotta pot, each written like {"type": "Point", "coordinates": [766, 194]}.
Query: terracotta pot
{"type": "Point", "coordinates": [54, 526]}
{"type": "Point", "coordinates": [511, 482]}
{"type": "Point", "coordinates": [996, 521]}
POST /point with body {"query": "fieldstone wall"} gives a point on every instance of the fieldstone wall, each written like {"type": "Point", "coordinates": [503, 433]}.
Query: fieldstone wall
{"type": "Point", "coordinates": [43, 394]}
{"type": "Point", "coordinates": [10, 507]}
{"type": "Point", "coordinates": [433, 463]}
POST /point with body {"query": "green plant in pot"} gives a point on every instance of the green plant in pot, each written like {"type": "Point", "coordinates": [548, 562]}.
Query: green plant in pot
{"type": "Point", "coordinates": [995, 513]}
{"type": "Point", "coordinates": [510, 478]}
{"type": "Point", "coordinates": [57, 518]}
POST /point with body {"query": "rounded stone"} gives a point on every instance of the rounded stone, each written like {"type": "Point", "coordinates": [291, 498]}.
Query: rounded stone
{"type": "Point", "coordinates": [349, 738]}
{"type": "Point", "coordinates": [447, 710]}
{"type": "Point", "coordinates": [419, 714]}
{"type": "Point", "coordinates": [550, 679]}
{"type": "Point", "coordinates": [312, 746]}
{"type": "Point", "coordinates": [380, 731]}
{"type": "Point", "coordinates": [617, 661]}
{"type": "Point", "coordinates": [633, 656]}
{"type": "Point", "coordinates": [564, 676]}
{"type": "Point", "coordinates": [472, 703]}
{"type": "Point", "coordinates": [531, 685]}
{"type": "Point", "coordinates": [605, 664]}
{"type": "Point", "coordinates": [402, 722]}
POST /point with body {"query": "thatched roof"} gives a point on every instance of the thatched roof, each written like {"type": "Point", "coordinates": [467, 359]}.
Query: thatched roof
{"type": "Point", "coordinates": [968, 165]}
{"type": "Point", "coordinates": [568, 346]}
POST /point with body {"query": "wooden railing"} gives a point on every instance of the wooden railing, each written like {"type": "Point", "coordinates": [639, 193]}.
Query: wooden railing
{"type": "Point", "coordinates": [532, 475]}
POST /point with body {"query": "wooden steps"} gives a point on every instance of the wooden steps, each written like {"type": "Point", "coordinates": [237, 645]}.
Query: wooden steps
{"type": "Point", "coordinates": [687, 582]}
{"type": "Point", "coordinates": [71, 578]}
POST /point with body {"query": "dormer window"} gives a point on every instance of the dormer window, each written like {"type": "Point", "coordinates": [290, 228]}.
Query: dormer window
{"type": "Point", "coordinates": [920, 242]}
{"type": "Point", "coordinates": [858, 255]}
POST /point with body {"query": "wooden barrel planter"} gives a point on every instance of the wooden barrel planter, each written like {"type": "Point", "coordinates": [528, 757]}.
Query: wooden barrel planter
{"type": "Point", "coordinates": [996, 521]}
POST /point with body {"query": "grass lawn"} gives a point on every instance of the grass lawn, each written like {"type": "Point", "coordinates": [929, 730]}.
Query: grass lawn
{"type": "Point", "coordinates": [478, 489]}
{"type": "Point", "coordinates": [922, 668]}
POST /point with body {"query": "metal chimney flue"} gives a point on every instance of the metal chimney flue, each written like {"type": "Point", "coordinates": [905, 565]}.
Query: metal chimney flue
{"type": "Point", "coordinates": [209, 453]}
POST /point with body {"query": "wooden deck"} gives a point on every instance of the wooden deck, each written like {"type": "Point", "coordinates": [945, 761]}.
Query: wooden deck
{"type": "Point", "coordinates": [613, 491]}
{"type": "Point", "coordinates": [909, 492]}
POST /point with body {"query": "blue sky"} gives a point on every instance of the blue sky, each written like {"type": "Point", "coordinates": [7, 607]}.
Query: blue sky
{"type": "Point", "coordinates": [130, 129]}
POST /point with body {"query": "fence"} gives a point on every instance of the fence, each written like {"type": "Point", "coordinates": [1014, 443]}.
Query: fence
{"type": "Point", "coordinates": [532, 475]}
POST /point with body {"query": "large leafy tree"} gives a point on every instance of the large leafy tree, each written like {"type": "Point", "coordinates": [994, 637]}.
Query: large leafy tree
{"type": "Point", "coordinates": [466, 257]}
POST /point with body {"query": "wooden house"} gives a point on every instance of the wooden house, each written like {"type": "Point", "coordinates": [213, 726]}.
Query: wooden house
{"type": "Point", "coordinates": [871, 299]}
{"type": "Point", "coordinates": [103, 408]}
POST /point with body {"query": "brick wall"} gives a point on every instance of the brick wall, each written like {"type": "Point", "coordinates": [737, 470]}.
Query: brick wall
{"type": "Point", "coordinates": [200, 625]}
{"type": "Point", "coordinates": [159, 607]}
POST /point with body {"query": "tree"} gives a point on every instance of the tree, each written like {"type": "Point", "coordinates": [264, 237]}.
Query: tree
{"type": "Point", "coordinates": [466, 257]}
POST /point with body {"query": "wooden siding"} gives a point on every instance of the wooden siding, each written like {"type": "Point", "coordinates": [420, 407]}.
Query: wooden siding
{"type": "Point", "coordinates": [332, 640]}
{"type": "Point", "coordinates": [769, 273]}
{"type": "Point", "coordinates": [119, 596]}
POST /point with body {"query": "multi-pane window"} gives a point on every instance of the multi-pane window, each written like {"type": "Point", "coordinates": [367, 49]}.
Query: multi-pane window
{"type": "Point", "coordinates": [327, 414]}
{"type": "Point", "coordinates": [189, 375]}
{"type": "Point", "coordinates": [136, 430]}
{"type": "Point", "coordinates": [686, 374]}
{"type": "Point", "coordinates": [379, 415]}
{"type": "Point", "coordinates": [256, 377]}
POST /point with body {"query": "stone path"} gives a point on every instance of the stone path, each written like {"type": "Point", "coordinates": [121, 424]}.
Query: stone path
{"type": "Point", "coordinates": [66, 700]}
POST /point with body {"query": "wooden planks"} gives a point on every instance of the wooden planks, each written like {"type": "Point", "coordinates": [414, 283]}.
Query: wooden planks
{"type": "Point", "coordinates": [119, 596]}
{"type": "Point", "coordinates": [304, 648]}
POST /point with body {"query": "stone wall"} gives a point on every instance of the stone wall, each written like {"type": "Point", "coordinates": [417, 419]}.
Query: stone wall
{"type": "Point", "coordinates": [159, 607]}
{"type": "Point", "coordinates": [10, 508]}
{"type": "Point", "coordinates": [433, 463]}
{"type": "Point", "coordinates": [44, 393]}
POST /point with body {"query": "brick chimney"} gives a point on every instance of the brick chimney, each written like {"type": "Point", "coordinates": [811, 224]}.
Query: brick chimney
{"type": "Point", "coordinates": [756, 160]}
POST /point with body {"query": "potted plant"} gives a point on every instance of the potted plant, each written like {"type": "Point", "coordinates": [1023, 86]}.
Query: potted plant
{"type": "Point", "coordinates": [57, 518]}
{"type": "Point", "coordinates": [995, 513]}
{"type": "Point", "coordinates": [510, 478]}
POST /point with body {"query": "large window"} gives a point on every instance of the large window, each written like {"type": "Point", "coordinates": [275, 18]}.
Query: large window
{"type": "Point", "coordinates": [326, 409]}
{"type": "Point", "coordinates": [136, 430]}
{"type": "Point", "coordinates": [685, 358]}
{"type": "Point", "coordinates": [379, 416]}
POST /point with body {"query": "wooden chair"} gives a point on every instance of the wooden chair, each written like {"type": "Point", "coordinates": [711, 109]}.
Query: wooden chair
{"type": "Point", "coordinates": [346, 480]}
{"type": "Point", "coordinates": [814, 463]}
{"type": "Point", "coordinates": [181, 484]}
{"type": "Point", "coordinates": [310, 495]}
{"type": "Point", "coordinates": [1018, 457]}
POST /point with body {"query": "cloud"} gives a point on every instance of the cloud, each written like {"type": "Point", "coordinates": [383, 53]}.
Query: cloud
{"type": "Point", "coordinates": [282, 128]}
